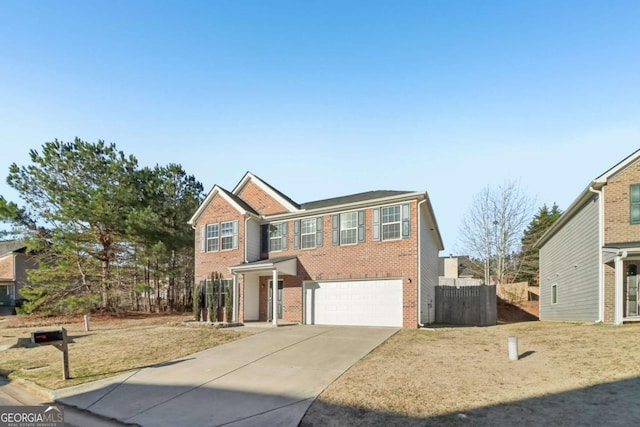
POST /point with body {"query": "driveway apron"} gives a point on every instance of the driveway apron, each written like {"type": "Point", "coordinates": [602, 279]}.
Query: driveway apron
{"type": "Point", "coordinates": [270, 378]}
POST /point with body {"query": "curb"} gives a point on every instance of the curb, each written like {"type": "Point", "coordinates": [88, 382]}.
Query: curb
{"type": "Point", "coordinates": [34, 388]}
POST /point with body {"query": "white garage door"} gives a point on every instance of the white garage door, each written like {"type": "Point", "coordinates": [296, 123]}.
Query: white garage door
{"type": "Point", "coordinates": [357, 302]}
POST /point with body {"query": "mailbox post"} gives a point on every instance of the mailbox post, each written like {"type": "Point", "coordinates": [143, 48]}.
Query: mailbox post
{"type": "Point", "coordinates": [58, 339]}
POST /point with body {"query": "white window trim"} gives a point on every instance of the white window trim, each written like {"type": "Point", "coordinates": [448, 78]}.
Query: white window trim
{"type": "Point", "coordinates": [340, 230]}
{"type": "Point", "coordinates": [225, 237]}
{"type": "Point", "coordinates": [212, 238]}
{"type": "Point", "coordinates": [382, 223]}
{"type": "Point", "coordinates": [314, 233]}
{"type": "Point", "coordinates": [554, 286]}
{"type": "Point", "coordinates": [280, 237]}
{"type": "Point", "coordinates": [632, 204]}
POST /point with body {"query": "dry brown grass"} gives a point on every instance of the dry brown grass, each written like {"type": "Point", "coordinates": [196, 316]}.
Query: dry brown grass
{"type": "Point", "coordinates": [114, 345]}
{"type": "Point", "coordinates": [420, 375]}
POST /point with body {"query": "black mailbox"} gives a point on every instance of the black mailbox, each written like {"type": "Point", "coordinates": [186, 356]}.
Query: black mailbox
{"type": "Point", "coordinates": [47, 337]}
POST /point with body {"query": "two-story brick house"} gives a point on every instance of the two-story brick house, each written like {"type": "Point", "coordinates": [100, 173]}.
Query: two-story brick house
{"type": "Point", "coordinates": [589, 258]}
{"type": "Point", "coordinates": [364, 259]}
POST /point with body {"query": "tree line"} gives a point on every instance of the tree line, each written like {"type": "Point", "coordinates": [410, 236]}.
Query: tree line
{"type": "Point", "coordinates": [106, 232]}
{"type": "Point", "coordinates": [499, 233]}
{"type": "Point", "coordinates": [109, 234]}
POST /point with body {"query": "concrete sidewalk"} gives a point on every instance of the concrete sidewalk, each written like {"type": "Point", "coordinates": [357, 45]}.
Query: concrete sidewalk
{"type": "Point", "coordinates": [270, 378]}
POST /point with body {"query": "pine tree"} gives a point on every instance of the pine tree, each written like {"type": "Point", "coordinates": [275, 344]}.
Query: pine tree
{"type": "Point", "coordinates": [529, 256]}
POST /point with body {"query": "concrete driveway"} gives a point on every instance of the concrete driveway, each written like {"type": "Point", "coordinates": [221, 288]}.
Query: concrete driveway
{"type": "Point", "coordinates": [270, 378]}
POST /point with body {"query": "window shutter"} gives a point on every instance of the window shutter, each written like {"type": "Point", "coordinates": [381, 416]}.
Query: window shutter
{"type": "Point", "coordinates": [235, 234]}
{"type": "Point", "coordinates": [406, 226]}
{"type": "Point", "coordinates": [361, 226]}
{"type": "Point", "coordinates": [335, 229]}
{"type": "Point", "coordinates": [265, 238]}
{"type": "Point", "coordinates": [635, 203]}
{"type": "Point", "coordinates": [285, 236]}
{"type": "Point", "coordinates": [319, 232]}
{"type": "Point", "coordinates": [376, 223]}
{"type": "Point", "coordinates": [203, 238]}
{"type": "Point", "coordinates": [296, 234]}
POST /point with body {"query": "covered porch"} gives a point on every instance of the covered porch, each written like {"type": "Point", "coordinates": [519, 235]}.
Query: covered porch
{"type": "Point", "coordinates": [624, 258]}
{"type": "Point", "coordinates": [275, 268]}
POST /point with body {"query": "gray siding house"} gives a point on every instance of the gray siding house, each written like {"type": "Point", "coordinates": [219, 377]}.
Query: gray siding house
{"type": "Point", "coordinates": [589, 257]}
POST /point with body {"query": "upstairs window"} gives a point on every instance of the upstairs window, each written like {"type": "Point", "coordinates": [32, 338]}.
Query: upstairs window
{"type": "Point", "coordinates": [308, 233]}
{"type": "Point", "coordinates": [219, 236]}
{"type": "Point", "coordinates": [349, 228]}
{"type": "Point", "coordinates": [212, 237]}
{"type": "Point", "coordinates": [391, 223]}
{"type": "Point", "coordinates": [278, 236]}
{"type": "Point", "coordinates": [229, 235]}
{"type": "Point", "coordinates": [635, 203]}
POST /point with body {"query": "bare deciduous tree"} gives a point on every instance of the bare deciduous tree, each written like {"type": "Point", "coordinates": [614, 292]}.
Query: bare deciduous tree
{"type": "Point", "coordinates": [492, 229]}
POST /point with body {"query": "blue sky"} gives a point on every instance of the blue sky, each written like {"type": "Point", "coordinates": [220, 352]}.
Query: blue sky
{"type": "Point", "coordinates": [327, 98]}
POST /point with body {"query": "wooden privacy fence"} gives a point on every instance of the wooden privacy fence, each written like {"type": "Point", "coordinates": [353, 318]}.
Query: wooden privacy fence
{"type": "Point", "coordinates": [466, 305]}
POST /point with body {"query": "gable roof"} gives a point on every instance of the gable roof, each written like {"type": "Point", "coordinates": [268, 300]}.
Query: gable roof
{"type": "Point", "coordinates": [602, 179]}
{"type": "Point", "coordinates": [280, 197]}
{"type": "Point", "coordinates": [12, 246]}
{"type": "Point", "coordinates": [587, 194]}
{"type": "Point", "coordinates": [235, 201]}
{"type": "Point", "coordinates": [353, 198]}
{"type": "Point", "coordinates": [314, 207]}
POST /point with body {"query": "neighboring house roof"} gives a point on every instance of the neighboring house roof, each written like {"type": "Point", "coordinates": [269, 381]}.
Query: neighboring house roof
{"type": "Point", "coordinates": [12, 246]}
{"type": "Point", "coordinates": [353, 198]}
{"type": "Point", "coordinates": [592, 188]}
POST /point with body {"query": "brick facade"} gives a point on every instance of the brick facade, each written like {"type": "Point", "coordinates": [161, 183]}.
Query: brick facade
{"type": "Point", "coordinates": [617, 223]}
{"type": "Point", "coordinates": [366, 260]}
{"type": "Point", "coordinates": [618, 227]}
{"type": "Point", "coordinates": [219, 210]}
{"type": "Point", "coordinates": [259, 200]}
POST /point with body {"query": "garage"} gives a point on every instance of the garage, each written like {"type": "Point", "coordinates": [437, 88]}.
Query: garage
{"type": "Point", "coordinates": [354, 302]}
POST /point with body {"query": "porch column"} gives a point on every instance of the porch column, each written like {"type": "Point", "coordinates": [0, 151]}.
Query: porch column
{"type": "Point", "coordinates": [234, 314]}
{"type": "Point", "coordinates": [619, 286]}
{"type": "Point", "coordinates": [274, 297]}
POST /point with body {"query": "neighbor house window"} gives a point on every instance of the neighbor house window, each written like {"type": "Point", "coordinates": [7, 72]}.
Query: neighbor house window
{"type": "Point", "coordinates": [212, 237]}
{"type": "Point", "coordinates": [635, 203]}
{"type": "Point", "coordinates": [554, 294]}
{"type": "Point", "coordinates": [308, 233]}
{"type": "Point", "coordinates": [228, 235]}
{"type": "Point", "coordinates": [278, 236]}
{"type": "Point", "coordinates": [348, 228]}
{"type": "Point", "coordinates": [391, 222]}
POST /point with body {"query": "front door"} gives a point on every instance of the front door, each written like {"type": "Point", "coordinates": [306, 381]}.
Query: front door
{"type": "Point", "coordinates": [279, 296]}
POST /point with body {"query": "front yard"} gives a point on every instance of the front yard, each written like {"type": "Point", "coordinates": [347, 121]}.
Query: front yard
{"type": "Point", "coordinates": [568, 374]}
{"type": "Point", "coordinates": [113, 346]}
